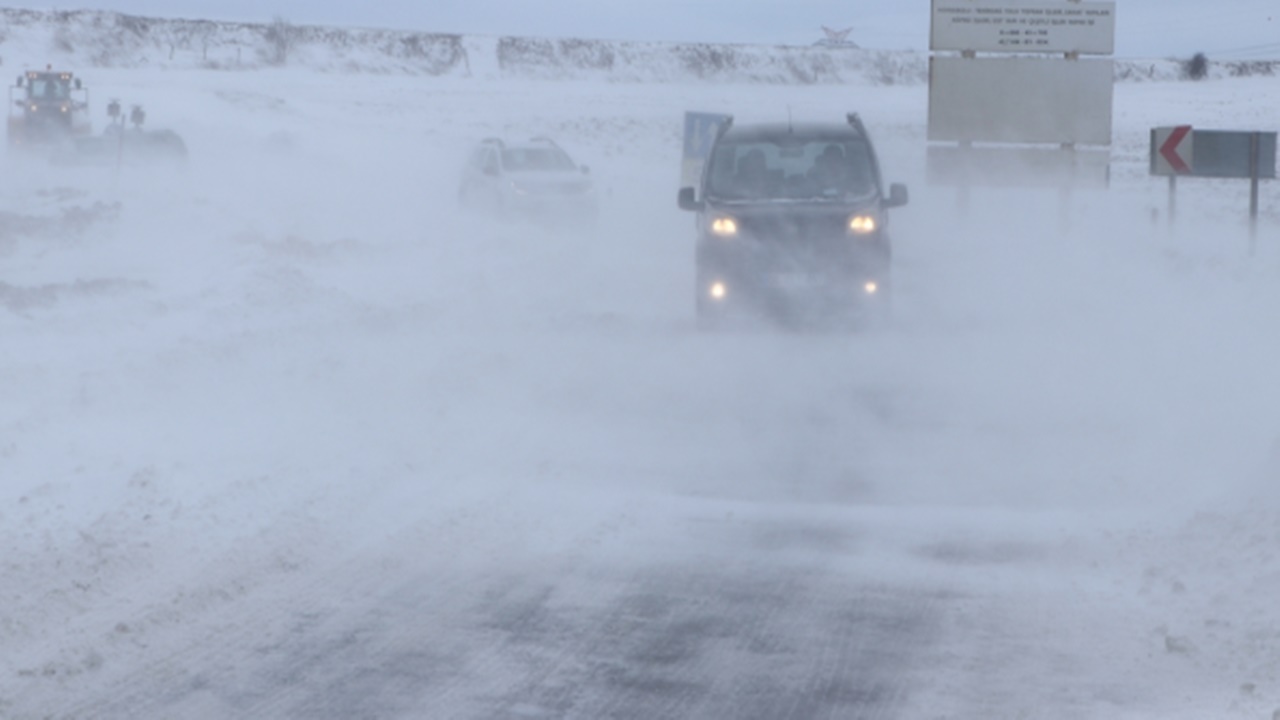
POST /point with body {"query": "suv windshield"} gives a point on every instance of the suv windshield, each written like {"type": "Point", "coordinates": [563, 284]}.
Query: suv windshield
{"type": "Point", "coordinates": [790, 169]}
{"type": "Point", "coordinates": [536, 160]}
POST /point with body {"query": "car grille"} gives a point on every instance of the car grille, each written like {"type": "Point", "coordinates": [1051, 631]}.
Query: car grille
{"type": "Point", "coordinates": [796, 230]}
{"type": "Point", "coordinates": [809, 244]}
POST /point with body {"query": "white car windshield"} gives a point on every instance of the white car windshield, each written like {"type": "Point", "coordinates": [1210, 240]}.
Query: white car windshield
{"type": "Point", "coordinates": [536, 160]}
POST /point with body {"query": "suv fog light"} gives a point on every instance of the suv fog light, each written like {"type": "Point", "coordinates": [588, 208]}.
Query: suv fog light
{"type": "Point", "coordinates": [871, 287]}
{"type": "Point", "coordinates": [717, 291]}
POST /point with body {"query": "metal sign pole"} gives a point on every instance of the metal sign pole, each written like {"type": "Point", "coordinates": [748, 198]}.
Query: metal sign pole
{"type": "Point", "coordinates": [1064, 193]}
{"type": "Point", "coordinates": [1255, 162]}
{"type": "Point", "coordinates": [966, 146]}
{"type": "Point", "coordinates": [962, 191]}
{"type": "Point", "coordinates": [1173, 199]}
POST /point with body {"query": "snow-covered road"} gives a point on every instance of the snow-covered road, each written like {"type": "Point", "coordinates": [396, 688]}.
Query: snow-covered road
{"type": "Point", "coordinates": [287, 435]}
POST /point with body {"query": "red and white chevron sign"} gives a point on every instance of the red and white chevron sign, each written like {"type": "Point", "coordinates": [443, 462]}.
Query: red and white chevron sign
{"type": "Point", "coordinates": [1171, 150]}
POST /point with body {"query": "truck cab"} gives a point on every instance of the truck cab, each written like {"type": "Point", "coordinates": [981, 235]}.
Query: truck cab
{"type": "Point", "coordinates": [47, 107]}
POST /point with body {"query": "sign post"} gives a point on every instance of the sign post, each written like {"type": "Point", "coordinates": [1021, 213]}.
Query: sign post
{"type": "Point", "coordinates": [1172, 155]}
{"type": "Point", "coordinates": [1255, 148]}
{"type": "Point", "coordinates": [1248, 155]}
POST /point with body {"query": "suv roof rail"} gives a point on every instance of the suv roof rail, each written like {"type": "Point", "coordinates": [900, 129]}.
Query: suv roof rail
{"type": "Point", "coordinates": [543, 139]}
{"type": "Point", "coordinates": [724, 126]}
{"type": "Point", "coordinates": [492, 141]}
{"type": "Point", "coordinates": [855, 121]}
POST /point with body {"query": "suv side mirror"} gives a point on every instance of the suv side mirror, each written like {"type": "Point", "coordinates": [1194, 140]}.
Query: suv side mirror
{"type": "Point", "coordinates": [897, 196]}
{"type": "Point", "coordinates": [586, 170]}
{"type": "Point", "coordinates": [78, 85]}
{"type": "Point", "coordinates": [687, 200]}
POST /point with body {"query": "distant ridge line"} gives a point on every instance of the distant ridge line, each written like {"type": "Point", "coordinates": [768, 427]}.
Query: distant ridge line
{"type": "Point", "coordinates": [82, 39]}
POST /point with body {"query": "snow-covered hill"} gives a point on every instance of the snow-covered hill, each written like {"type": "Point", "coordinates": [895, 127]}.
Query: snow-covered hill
{"type": "Point", "coordinates": [109, 39]}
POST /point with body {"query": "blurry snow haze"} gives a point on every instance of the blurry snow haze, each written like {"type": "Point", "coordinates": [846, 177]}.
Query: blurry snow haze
{"type": "Point", "coordinates": [286, 433]}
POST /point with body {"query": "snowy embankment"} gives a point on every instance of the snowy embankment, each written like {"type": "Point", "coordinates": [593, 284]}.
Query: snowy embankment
{"type": "Point", "coordinates": [80, 39]}
{"type": "Point", "coordinates": [109, 39]}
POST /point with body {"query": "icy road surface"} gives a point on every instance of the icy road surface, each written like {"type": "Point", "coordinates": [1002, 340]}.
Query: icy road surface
{"type": "Point", "coordinates": [286, 435]}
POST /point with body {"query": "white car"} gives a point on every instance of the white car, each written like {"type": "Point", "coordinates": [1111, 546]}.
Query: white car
{"type": "Point", "coordinates": [534, 180]}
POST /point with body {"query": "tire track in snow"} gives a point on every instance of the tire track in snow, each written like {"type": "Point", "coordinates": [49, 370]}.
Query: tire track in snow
{"type": "Point", "coordinates": [577, 635]}
{"type": "Point", "coordinates": [260, 652]}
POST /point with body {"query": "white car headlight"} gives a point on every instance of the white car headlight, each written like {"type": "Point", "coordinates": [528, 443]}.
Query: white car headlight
{"type": "Point", "coordinates": [724, 227]}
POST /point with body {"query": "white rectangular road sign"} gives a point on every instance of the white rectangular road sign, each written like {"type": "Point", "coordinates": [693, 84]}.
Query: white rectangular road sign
{"type": "Point", "coordinates": [1020, 100]}
{"type": "Point", "coordinates": [1019, 167]}
{"type": "Point", "coordinates": [1041, 26]}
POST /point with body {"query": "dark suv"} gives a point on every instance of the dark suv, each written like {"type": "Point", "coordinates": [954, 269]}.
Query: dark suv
{"type": "Point", "coordinates": [792, 224]}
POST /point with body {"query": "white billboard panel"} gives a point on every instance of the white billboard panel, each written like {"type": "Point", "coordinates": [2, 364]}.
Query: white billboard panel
{"type": "Point", "coordinates": [1019, 167]}
{"type": "Point", "coordinates": [1020, 100]}
{"type": "Point", "coordinates": [1024, 26]}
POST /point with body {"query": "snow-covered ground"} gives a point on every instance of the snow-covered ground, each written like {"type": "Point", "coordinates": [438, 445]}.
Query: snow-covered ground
{"type": "Point", "coordinates": [285, 434]}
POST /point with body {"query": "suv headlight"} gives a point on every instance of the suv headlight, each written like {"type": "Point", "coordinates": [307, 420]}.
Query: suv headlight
{"type": "Point", "coordinates": [863, 224]}
{"type": "Point", "coordinates": [724, 227]}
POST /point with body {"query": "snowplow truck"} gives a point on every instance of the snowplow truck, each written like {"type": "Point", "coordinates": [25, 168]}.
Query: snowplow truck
{"type": "Point", "coordinates": [47, 107]}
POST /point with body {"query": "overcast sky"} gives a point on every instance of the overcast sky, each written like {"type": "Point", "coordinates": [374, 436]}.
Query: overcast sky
{"type": "Point", "coordinates": [1147, 28]}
